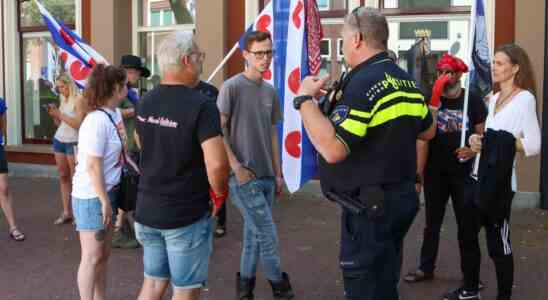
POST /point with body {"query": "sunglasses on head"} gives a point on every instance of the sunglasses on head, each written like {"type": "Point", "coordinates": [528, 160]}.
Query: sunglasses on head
{"type": "Point", "coordinates": [357, 18]}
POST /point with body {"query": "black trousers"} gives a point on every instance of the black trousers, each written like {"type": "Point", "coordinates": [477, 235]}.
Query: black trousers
{"type": "Point", "coordinates": [371, 248]}
{"type": "Point", "coordinates": [438, 188]}
{"type": "Point", "coordinates": [499, 248]}
{"type": "Point", "coordinates": [221, 216]}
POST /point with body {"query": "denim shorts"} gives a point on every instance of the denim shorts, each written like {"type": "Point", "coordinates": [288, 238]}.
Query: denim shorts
{"type": "Point", "coordinates": [88, 214]}
{"type": "Point", "coordinates": [64, 148]}
{"type": "Point", "coordinates": [180, 255]}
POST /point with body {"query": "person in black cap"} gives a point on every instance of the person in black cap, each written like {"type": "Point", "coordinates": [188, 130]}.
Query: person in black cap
{"type": "Point", "coordinates": [123, 236]}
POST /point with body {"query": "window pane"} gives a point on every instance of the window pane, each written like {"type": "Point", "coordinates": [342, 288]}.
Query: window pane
{"type": "Point", "coordinates": [40, 67]}
{"type": "Point", "coordinates": [325, 48]}
{"type": "Point", "coordinates": [323, 4]}
{"type": "Point", "coordinates": [325, 67]}
{"type": "Point", "coordinates": [63, 10]}
{"type": "Point", "coordinates": [174, 11]}
{"type": "Point", "coordinates": [416, 3]}
{"type": "Point", "coordinates": [439, 29]}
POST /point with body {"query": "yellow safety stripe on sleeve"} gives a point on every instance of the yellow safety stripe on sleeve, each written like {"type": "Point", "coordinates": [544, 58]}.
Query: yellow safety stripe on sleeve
{"type": "Point", "coordinates": [387, 98]}
{"type": "Point", "coordinates": [399, 110]}
{"type": "Point", "coordinates": [355, 127]}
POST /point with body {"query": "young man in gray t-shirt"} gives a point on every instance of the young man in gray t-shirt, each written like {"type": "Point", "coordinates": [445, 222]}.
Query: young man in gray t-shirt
{"type": "Point", "coordinates": [250, 110]}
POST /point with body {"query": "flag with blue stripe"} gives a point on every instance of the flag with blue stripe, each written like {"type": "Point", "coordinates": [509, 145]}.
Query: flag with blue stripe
{"type": "Point", "coordinates": [296, 31]}
{"type": "Point", "coordinates": [77, 56]}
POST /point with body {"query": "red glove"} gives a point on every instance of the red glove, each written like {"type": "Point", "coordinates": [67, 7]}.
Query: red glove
{"type": "Point", "coordinates": [218, 199]}
{"type": "Point", "coordinates": [437, 90]}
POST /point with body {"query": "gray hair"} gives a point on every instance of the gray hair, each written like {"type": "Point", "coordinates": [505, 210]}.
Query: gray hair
{"type": "Point", "coordinates": [371, 23]}
{"type": "Point", "coordinates": [174, 47]}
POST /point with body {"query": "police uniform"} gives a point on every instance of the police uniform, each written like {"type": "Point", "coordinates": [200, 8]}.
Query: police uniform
{"type": "Point", "coordinates": [378, 118]}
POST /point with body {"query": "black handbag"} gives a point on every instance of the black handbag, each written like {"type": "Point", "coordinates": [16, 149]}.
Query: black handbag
{"type": "Point", "coordinates": [129, 181]}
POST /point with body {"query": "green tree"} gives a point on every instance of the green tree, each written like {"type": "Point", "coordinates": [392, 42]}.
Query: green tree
{"type": "Point", "coordinates": [63, 10]}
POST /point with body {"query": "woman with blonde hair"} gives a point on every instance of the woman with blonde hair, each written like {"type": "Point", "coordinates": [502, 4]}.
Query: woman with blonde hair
{"type": "Point", "coordinates": [512, 127]}
{"type": "Point", "coordinates": [68, 118]}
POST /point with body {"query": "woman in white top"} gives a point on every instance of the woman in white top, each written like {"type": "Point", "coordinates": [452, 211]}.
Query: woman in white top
{"type": "Point", "coordinates": [97, 175]}
{"type": "Point", "coordinates": [512, 109]}
{"type": "Point", "coordinates": [68, 118]}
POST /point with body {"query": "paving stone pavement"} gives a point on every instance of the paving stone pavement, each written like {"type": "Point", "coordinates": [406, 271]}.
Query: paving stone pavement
{"type": "Point", "coordinates": [44, 266]}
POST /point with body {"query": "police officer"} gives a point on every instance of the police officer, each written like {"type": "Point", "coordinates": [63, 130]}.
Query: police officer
{"type": "Point", "coordinates": [368, 155]}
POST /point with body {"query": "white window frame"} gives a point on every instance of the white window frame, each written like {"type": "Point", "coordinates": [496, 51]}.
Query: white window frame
{"type": "Point", "coordinates": [340, 55]}
{"type": "Point", "coordinates": [328, 55]}
{"type": "Point", "coordinates": [136, 29]}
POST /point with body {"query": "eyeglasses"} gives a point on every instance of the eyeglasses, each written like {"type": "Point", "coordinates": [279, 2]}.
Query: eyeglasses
{"type": "Point", "coordinates": [357, 18]}
{"type": "Point", "coordinates": [262, 54]}
{"type": "Point", "coordinates": [201, 55]}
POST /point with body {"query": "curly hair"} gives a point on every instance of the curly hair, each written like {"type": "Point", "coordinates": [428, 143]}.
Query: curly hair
{"type": "Point", "coordinates": [102, 83]}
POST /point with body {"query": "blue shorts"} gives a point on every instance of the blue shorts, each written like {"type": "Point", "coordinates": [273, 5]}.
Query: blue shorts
{"type": "Point", "coordinates": [64, 148]}
{"type": "Point", "coordinates": [180, 255]}
{"type": "Point", "coordinates": [88, 214]}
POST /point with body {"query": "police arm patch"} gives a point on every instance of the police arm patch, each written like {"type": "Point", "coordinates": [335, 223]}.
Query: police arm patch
{"type": "Point", "coordinates": [339, 114]}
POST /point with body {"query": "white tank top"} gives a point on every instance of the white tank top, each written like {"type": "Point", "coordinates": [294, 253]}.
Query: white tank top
{"type": "Point", "coordinates": [65, 133]}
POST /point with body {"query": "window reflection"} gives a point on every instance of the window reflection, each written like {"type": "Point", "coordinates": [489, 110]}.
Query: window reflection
{"type": "Point", "coordinates": [166, 12]}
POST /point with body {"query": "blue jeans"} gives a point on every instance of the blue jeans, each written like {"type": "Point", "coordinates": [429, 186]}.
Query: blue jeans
{"type": "Point", "coordinates": [260, 239]}
{"type": "Point", "coordinates": [180, 255]}
{"type": "Point", "coordinates": [88, 214]}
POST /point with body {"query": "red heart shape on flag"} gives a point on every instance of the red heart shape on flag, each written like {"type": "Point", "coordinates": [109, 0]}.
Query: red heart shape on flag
{"type": "Point", "coordinates": [79, 71]}
{"type": "Point", "coordinates": [296, 14]}
{"type": "Point", "coordinates": [263, 23]}
{"type": "Point", "coordinates": [293, 144]}
{"type": "Point", "coordinates": [294, 80]}
{"type": "Point", "coordinates": [267, 75]}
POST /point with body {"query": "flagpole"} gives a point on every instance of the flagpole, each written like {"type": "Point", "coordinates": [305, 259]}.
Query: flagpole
{"type": "Point", "coordinates": [223, 62]}
{"type": "Point", "coordinates": [470, 63]}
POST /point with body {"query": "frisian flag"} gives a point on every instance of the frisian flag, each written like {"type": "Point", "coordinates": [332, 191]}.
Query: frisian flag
{"type": "Point", "coordinates": [77, 56]}
{"type": "Point", "coordinates": [480, 66]}
{"type": "Point", "coordinates": [296, 32]}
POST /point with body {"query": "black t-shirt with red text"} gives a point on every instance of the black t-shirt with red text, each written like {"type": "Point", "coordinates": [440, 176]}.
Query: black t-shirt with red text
{"type": "Point", "coordinates": [172, 122]}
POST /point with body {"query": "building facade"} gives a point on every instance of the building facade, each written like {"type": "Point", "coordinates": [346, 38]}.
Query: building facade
{"type": "Point", "coordinates": [29, 62]}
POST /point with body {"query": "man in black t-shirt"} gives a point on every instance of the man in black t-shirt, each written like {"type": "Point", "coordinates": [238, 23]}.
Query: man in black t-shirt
{"type": "Point", "coordinates": [447, 163]}
{"type": "Point", "coordinates": [184, 174]}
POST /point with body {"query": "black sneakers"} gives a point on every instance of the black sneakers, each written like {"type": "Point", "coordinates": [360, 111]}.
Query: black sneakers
{"type": "Point", "coordinates": [462, 294]}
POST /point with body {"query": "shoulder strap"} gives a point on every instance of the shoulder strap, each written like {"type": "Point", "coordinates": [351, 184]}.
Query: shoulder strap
{"type": "Point", "coordinates": [115, 129]}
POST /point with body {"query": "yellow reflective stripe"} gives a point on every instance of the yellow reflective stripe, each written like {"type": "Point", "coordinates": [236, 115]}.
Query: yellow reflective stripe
{"type": "Point", "coordinates": [359, 113]}
{"type": "Point", "coordinates": [355, 127]}
{"type": "Point", "coordinates": [399, 110]}
{"type": "Point", "coordinates": [387, 98]}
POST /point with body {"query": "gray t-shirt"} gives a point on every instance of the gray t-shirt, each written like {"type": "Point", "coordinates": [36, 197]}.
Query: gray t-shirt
{"type": "Point", "coordinates": [252, 108]}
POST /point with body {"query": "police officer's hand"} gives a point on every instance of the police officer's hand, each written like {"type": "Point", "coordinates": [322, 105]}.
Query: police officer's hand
{"type": "Point", "coordinates": [244, 175]}
{"type": "Point", "coordinates": [475, 142]}
{"type": "Point", "coordinates": [313, 86]}
{"type": "Point", "coordinates": [464, 153]}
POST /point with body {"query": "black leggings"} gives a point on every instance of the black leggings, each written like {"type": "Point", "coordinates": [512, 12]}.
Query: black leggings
{"type": "Point", "coordinates": [498, 245]}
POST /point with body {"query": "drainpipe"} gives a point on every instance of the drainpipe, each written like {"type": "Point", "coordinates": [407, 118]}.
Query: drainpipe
{"type": "Point", "coordinates": [544, 151]}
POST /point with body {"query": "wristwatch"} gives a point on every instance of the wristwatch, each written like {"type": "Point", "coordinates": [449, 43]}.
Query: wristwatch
{"type": "Point", "coordinates": [299, 100]}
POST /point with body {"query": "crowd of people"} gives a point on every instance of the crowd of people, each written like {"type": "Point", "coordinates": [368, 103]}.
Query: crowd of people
{"type": "Point", "coordinates": [380, 142]}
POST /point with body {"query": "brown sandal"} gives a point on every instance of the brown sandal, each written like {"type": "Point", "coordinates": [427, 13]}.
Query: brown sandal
{"type": "Point", "coordinates": [17, 235]}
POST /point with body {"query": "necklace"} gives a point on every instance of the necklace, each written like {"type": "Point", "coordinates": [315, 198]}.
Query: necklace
{"type": "Point", "coordinates": [501, 101]}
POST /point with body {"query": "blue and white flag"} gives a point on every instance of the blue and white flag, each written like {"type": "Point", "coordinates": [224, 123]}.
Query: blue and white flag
{"type": "Point", "coordinates": [296, 32]}
{"type": "Point", "coordinates": [480, 60]}
{"type": "Point", "coordinates": [77, 56]}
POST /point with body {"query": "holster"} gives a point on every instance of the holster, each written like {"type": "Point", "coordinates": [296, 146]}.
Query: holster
{"type": "Point", "coordinates": [370, 201]}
